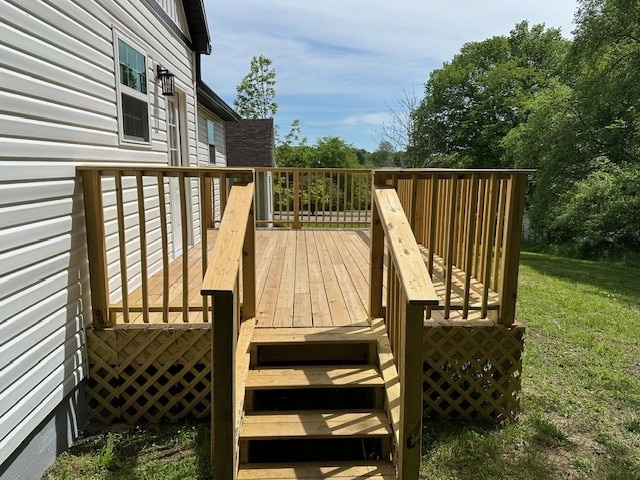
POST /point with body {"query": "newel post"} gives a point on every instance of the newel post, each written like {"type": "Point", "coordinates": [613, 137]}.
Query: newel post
{"type": "Point", "coordinates": [511, 248]}
{"type": "Point", "coordinates": [411, 393]}
{"type": "Point", "coordinates": [96, 247]}
{"type": "Point", "coordinates": [224, 334]}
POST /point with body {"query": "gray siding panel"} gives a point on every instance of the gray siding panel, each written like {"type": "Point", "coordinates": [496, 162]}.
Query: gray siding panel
{"type": "Point", "coordinates": [58, 109]}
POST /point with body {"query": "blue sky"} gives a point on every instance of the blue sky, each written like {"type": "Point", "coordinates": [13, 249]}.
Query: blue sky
{"type": "Point", "coordinates": [340, 65]}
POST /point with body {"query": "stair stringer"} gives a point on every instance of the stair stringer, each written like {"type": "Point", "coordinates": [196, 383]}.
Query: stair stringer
{"type": "Point", "coordinates": [389, 371]}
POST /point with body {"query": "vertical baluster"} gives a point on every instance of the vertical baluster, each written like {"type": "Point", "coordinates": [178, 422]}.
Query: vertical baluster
{"type": "Point", "coordinates": [185, 247]}
{"type": "Point", "coordinates": [471, 222]}
{"type": "Point", "coordinates": [453, 199]}
{"type": "Point", "coordinates": [165, 246]}
{"type": "Point", "coordinates": [224, 193]}
{"type": "Point", "coordinates": [143, 246]}
{"type": "Point", "coordinates": [122, 246]}
{"type": "Point", "coordinates": [488, 242]}
{"type": "Point", "coordinates": [479, 227]}
{"type": "Point", "coordinates": [296, 198]}
{"type": "Point", "coordinates": [204, 244]}
{"type": "Point", "coordinates": [498, 251]}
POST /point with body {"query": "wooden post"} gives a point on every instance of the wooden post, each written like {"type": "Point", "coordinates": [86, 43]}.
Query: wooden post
{"type": "Point", "coordinates": [411, 393]}
{"type": "Point", "coordinates": [224, 193]}
{"type": "Point", "coordinates": [376, 261]}
{"type": "Point", "coordinates": [223, 423]}
{"type": "Point", "coordinates": [296, 200]}
{"type": "Point", "coordinates": [206, 222]}
{"type": "Point", "coordinates": [207, 202]}
{"type": "Point", "coordinates": [249, 267]}
{"type": "Point", "coordinates": [96, 248]}
{"type": "Point", "coordinates": [413, 202]}
{"type": "Point", "coordinates": [512, 240]}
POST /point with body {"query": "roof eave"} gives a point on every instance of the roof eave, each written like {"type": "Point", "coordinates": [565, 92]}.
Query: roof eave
{"type": "Point", "coordinates": [198, 26]}
{"type": "Point", "coordinates": [213, 102]}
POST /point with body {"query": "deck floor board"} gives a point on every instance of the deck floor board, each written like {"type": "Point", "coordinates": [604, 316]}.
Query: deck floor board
{"type": "Point", "coordinates": [304, 278]}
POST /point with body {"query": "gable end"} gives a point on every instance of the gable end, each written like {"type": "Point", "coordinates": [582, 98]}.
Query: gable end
{"type": "Point", "coordinates": [196, 19]}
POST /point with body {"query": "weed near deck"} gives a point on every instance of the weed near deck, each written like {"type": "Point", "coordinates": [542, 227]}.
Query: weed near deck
{"type": "Point", "coordinates": [149, 452]}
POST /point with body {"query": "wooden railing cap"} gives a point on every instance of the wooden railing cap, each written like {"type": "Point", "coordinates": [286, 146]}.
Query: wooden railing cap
{"type": "Point", "coordinates": [222, 274]}
{"type": "Point", "coordinates": [412, 272]}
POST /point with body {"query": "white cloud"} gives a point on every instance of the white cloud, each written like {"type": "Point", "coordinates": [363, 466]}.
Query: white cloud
{"type": "Point", "coordinates": [338, 59]}
{"type": "Point", "coordinates": [367, 118]}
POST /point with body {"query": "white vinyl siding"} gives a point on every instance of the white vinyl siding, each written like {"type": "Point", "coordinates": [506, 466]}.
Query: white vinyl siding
{"type": "Point", "coordinates": [205, 116]}
{"type": "Point", "coordinates": [59, 108]}
{"type": "Point", "coordinates": [175, 10]}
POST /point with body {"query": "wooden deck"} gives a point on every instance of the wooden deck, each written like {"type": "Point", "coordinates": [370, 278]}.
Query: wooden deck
{"type": "Point", "coordinates": [310, 278]}
{"type": "Point", "coordinates": [304, 278]}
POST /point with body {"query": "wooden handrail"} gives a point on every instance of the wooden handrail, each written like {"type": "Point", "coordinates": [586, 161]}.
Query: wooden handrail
{"type": "Point", "coordinates": [233, 253]}
{"type": "Point", "coordinates": [468, 223]}
{"type": "Point", "coordinates": [409, 291]}
{"type": "Point", "coordinates": [414, 277]}
{"type": "Point", "coordinates": [129, 202]}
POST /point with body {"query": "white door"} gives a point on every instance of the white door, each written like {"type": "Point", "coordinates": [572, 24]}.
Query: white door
{"type": "Point", "coordinates": [176, 159]}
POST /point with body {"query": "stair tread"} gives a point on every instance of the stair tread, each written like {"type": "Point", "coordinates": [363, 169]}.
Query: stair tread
{"type": "Point", "coordinates": [313, 471]}
{"type": "Point", "coordinates": [270, 336]}
{"type": "Point", "coordinates": [314, 376]}
{"type": "Point", "coordinates": [315, 424]}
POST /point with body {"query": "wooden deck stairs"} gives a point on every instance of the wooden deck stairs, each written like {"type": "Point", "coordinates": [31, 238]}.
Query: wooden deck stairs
{"type": "Point", "coordinates": [314, 405]}
{"type": "Point", "coordinates": [322, 348]}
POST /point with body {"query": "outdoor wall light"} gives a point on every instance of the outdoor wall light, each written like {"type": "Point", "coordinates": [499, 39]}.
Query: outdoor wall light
{"type": "Point", "coordinates": [168, 81]}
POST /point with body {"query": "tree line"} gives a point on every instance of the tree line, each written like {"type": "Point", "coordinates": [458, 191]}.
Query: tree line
{"type": "Point", "coordinates": [568, 108]}
{"type": "Point", "coordinates": [531, 99]}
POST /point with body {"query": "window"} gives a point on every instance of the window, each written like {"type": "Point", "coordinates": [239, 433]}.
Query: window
{"type": "Point", "coordinates": [133, 99]}
{"type": "Point", "coordinates": [211, 137]}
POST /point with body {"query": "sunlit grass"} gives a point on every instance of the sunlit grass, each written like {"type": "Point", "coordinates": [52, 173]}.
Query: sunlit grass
{"type": "Point", "coordinates": [581, 383]}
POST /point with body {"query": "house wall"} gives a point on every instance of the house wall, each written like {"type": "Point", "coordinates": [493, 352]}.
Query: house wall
{"type": "Point", "coordinates": [204, 159]}
{"type": "Point", "coordinates": [57, 109]}
{"type": "Point", "coordinates": [205, 114]}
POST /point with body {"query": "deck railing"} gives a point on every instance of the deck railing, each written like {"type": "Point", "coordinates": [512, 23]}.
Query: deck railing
{"type": "Point", "coordinates": [469, 223]}
{"type": "Point", "coordinates": [310, 197]}
{"type": "Point", "coordinates": [136, 219]}
{"type": "Point", "coordinates": [233, 258]}
{"type": "Point", "coordinates": [409, 290]}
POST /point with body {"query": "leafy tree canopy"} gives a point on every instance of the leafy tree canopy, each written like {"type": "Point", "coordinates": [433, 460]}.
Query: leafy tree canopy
{"type": "Point", "coordinates": [327, 152]}
{"type": "Point", "coordinates": [256, 91]}
{"type": "Point", "coordinates": [472, 102]}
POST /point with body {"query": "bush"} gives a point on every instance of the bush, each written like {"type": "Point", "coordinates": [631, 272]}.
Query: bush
{"type": "Point", "coordinates": [601, 212]}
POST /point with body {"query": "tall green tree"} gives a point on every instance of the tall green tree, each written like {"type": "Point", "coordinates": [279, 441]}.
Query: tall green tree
{"type": "Point", "coordinates": [256, 91]}
{"type": "Point", "coordinates": [583, 136]}
{"type": "Point", "coordinates": [472, 102]}
{"type": "Point", "coordinates": [606, 57]}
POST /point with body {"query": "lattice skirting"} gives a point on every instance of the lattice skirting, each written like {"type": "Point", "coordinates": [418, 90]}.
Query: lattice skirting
{"type": "Point", "coordinates": [473, 372]}
{"type": "Point", "coordinates": [149, 374]}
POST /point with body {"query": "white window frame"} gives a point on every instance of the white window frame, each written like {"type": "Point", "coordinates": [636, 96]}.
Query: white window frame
{"type": "Point", "coordinates": [123, 89]}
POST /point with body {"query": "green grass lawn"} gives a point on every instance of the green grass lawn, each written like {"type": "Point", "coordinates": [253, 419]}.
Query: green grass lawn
{"type": "Point", "coordinates": [580, 398]}
{"type": "Point", "coordinates": [580, 387]}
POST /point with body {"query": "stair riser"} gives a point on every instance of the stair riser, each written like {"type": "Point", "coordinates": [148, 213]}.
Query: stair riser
{"type": "Point", "coordinates": [315, 399]}
{"type": "Point", "coordinates": [312, 354]}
